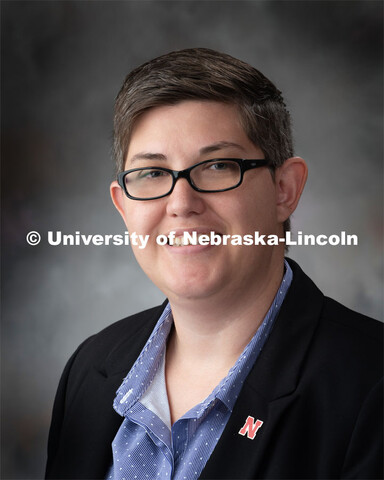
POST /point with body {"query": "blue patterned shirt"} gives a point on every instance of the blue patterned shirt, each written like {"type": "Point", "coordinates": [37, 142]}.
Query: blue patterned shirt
{"type": "Point", "coordinates": [147, 446]}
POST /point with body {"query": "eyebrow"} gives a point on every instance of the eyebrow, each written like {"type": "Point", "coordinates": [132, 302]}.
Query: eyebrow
{"type": "Point", "coordinates": [202, 151]}
{"type": "Point", "coordinates": [147, 156]}
{"type": "Point", "coordinates": [219, 146]}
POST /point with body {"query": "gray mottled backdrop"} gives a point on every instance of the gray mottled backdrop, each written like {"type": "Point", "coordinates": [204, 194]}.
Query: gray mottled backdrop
{"type": "Point", "coordinates": [62, 65]}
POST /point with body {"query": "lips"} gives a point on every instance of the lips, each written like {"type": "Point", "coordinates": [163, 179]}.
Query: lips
{"type": "Point", "coordinates": [189, 237]}
{"type": "Point", "coordinates": [186, 239]}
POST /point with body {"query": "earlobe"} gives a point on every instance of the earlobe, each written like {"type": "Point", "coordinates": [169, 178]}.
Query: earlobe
{"type": "Point", "coordinates": [290, 181]}
{"type": "Point", "coordinates": [117, 196]}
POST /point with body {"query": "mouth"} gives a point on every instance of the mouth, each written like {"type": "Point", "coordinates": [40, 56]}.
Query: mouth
{"type": "Point", "coordinates": [185, 240]}
{"type": "Point", "coordinates": [193, 238]}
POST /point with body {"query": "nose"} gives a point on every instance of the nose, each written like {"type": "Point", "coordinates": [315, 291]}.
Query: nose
{"type": "Point", "coordinates": [184, 201]}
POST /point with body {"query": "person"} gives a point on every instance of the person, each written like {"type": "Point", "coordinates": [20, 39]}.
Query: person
{"type": "Point", "coordinates": [247, 370]}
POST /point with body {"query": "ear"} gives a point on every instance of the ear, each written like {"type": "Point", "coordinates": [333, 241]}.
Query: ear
{"type": "Point", "coordinates": [118, 198]}
{"type": "Point", "coordinates": [290, 179]}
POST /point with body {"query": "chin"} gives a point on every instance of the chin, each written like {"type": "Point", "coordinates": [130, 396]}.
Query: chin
{"type": "Point", "coordinates": [186, 294]}
{"type": "Point", "coordinates": [185, 287]}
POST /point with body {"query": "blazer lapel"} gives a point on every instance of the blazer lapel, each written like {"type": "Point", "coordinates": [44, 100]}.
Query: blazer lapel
{"type": "Point", "coordinates": [90, 423]}
{"type": "Point", "coordinates": [108, 377]}
{"type": "Point", "coordinates": [267, 392]}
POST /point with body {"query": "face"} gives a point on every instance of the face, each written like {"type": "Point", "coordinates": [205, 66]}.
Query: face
{"type": "Point", "coordinates": [177, 137]}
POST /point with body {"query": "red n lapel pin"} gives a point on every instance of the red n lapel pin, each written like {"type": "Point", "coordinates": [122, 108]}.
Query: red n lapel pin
{"type": "Point", "coordinates": [250, 427]}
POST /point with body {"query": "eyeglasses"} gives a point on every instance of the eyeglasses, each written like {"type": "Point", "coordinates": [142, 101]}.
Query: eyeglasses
{"type": "Point", "coordinates": [216, 175]}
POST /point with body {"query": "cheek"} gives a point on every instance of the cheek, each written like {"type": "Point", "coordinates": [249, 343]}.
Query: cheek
{"type": "Point", "coordinates": [257, 213]}
{"type": "Point", "coordinates": [264, 199]}
{"type": "Point", "coordinates": [140, 219]}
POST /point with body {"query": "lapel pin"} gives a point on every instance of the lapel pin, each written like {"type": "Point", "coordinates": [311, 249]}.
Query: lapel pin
{"type": "Point", "coordinates": [250, 428]}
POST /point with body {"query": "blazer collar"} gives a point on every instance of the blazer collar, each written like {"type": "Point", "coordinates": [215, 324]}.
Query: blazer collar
{"type": "Point", "coordinates": [277, 369]}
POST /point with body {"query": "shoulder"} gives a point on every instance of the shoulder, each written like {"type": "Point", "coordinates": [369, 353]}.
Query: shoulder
{"type": "Point", "coordinates": [349, 344]}
{"type": "Point", "coordinates": [337, 342]}
{"type": "Point", "coordinates": [344, 317]}
{"type": "Point", "coordinates": [305, 297]}
{"type": "Point", "coordinates": [353, 327]}
{"type": "Point", "coordinates": [346, 348]}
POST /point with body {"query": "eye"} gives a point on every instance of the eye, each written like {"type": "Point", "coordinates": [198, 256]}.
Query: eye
{"type": "Point", "coordinates": [151, 174]}
{"type": "Point", "coordinates": [219, 166]}
{"type": "Point", "coordinates": [223, 166]}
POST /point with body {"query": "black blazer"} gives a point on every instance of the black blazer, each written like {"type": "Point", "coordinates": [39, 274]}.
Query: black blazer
{"type": "Point", "coordinates": [316, 387]}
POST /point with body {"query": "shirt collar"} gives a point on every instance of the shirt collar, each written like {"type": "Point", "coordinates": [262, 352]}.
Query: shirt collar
{"type": "Point", "coordinates": [144, 369]}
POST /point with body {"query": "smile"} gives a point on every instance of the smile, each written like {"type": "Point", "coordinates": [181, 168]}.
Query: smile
{"type": "Point", "coordinates": [192, 238]}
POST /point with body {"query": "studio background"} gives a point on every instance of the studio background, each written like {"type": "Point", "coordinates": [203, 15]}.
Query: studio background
{"type": "Point", "coordinates": [63, 63]}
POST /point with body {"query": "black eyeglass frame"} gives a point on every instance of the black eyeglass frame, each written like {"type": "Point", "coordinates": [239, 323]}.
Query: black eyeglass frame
{"type": "Point", "coordinates": [244, 164]}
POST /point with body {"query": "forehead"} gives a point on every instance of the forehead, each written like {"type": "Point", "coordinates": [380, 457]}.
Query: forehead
{"type": "Point", "coordinates": [188, 126]}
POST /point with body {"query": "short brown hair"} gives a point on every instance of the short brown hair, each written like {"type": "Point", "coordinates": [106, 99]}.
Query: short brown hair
{"type": "Point", "coordinates": [204, 74]}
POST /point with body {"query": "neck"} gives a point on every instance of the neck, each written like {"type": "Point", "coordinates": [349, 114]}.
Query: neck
{"type": "Point", "coordinates": [218, 329]}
